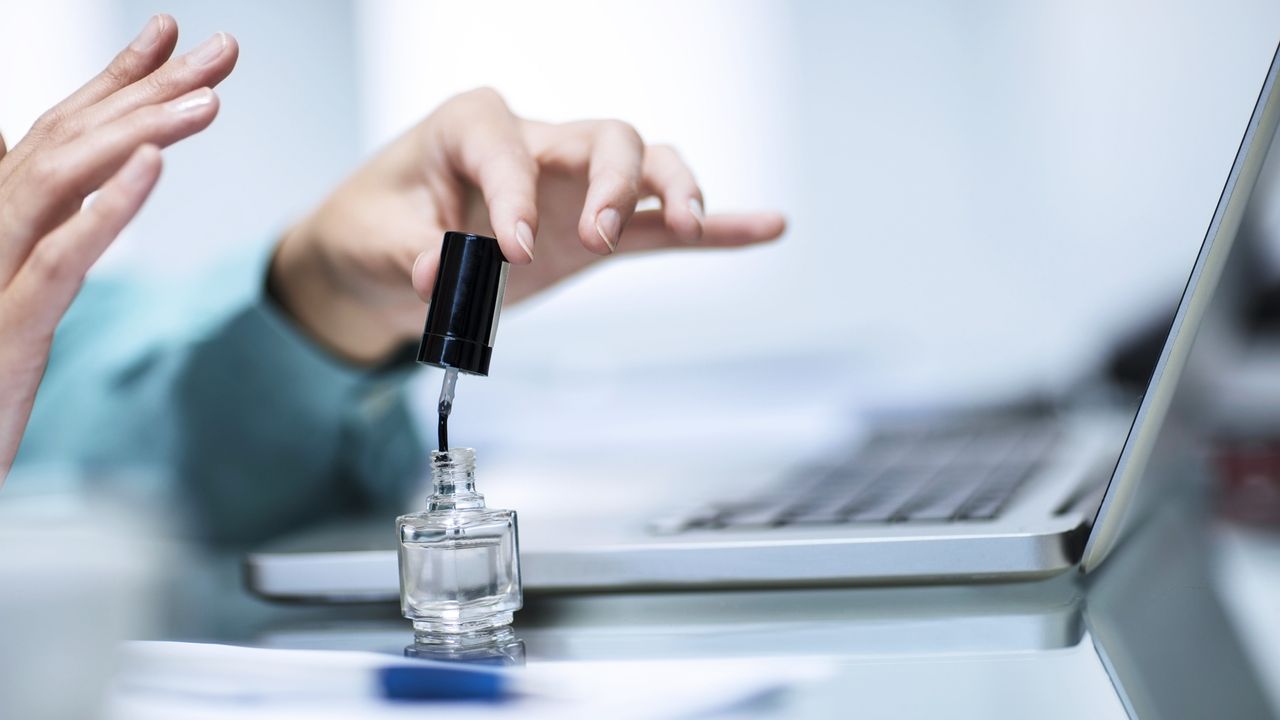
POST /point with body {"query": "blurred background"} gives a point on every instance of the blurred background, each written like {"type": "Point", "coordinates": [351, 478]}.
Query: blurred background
{"type": "Point", "coordinates": [983, 197]}
{"type": "Point", "coordinates": [1040, 181]}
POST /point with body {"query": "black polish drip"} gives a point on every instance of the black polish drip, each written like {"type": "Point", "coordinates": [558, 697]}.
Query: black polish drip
{"type": "Point", "coordinates": [445, 407]}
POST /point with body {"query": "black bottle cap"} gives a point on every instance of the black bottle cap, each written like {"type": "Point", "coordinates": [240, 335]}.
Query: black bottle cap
{"type": "Point", "coordinates": [463, 317]}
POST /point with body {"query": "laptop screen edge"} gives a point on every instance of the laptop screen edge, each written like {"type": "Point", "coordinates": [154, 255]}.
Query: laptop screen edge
{"type": "Point", "coordinates": [1111, 518]}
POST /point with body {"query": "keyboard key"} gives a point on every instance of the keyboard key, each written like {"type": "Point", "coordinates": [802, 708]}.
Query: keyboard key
{"type": "Point", "coordinates": [811, 478]}
{"type": "Point", "coordinates": [881, 499]}
{"type": "Point", "coordinates": [819, 514]}
{"type": "Point", "coordinates": [760, 516]}
{"type": "Point", "coordinates": [983, 508]}
{"type": "Point", "coordinates": [942, 499]}
{"type": "Point", "coordinates": [992, 496]}
{"type": "Point", "coordinates": [680, 522]}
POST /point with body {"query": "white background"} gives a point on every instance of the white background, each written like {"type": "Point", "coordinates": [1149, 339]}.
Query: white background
{"type": "Point", "coordinates": [981, 195]}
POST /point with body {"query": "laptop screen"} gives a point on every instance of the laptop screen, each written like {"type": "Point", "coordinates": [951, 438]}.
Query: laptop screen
{"type": "Point", "coordinates": [982, 205]}
{"type": "Point", "coordinates": [1123, 494]}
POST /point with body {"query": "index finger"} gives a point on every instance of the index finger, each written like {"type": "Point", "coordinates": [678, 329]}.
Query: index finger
{"type": "Point", "coordinates": [482, 140]}
{"type": "Point", "coordinates": [153, 45]}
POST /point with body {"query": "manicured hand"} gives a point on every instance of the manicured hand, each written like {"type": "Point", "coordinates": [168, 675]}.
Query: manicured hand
{"type": "Point", "coordinates": [355, 273]}
{"type": "Point", "coordinates": [104, 138]}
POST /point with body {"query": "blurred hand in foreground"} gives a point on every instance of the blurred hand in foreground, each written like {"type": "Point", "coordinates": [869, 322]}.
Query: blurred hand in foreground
{"type": "Point", "coordinates": [104, 138]}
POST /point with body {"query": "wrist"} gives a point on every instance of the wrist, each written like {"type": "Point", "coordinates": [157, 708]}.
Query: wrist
{"type": "Point", "coordinates": [307, 287]}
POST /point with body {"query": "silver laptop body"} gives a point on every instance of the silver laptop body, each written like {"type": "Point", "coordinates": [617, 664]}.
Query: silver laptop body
{"type": "Point", "coordinates": [1009, 493]}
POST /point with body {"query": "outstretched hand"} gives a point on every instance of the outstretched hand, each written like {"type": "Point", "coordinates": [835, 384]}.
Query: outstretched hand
{"type": "Point", "coordinates": [558, 198]}
{"type": "Point", "coordinates": [104, 138]}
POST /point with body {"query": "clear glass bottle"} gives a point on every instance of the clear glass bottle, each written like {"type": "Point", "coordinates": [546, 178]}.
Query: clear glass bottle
{"type": "Point", "coordinates": [459, 560]}
{"type": "Point", "coordinates": [499, 647]}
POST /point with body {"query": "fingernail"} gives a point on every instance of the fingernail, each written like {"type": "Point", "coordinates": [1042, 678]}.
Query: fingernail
{"type": "Point", "coordinates": [524, 236]}
{"type": "Point", "coordinates": [609, 226]}
{"type": "Point", "coordinates": [150, 34]}
{"type": "Point", "coordinates": [414, 272]}
{"type": "Point", "coordinates": [208, 51]}
{"type": "Point", "coordinates": [695, 207]}
{"type": "Point", "coordinates": [191, 101]}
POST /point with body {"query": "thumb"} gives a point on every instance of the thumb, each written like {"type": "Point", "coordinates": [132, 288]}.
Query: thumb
{"type": "Point", "coordinates": [424, 274]}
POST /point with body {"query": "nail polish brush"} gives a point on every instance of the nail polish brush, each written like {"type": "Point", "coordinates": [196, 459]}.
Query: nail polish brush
{"type": "Point", "coordinates": [462, 319]}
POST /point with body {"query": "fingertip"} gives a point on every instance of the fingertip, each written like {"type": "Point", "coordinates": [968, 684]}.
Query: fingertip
{"type": "Point", "coordinates": [215, 58]}
{"type": "Point", "coordinates": [601, 230]}
{"type": "Point", "coordinates": [514, 219]}
{"type": "Point", "coordinates": [232, 49]}
{"type": "Point", "coordinates": [590, 237]}
{"type": "Point", "coordinates": [773, 225]}
{"type": "Point", "coordinates": [512, 251]}
{"type": "Point", "coordinates": [200, 106]}
{"type": "Point", "coordinates": [156, 35]}
{"type": "Point", "coordinates": [515, 238]}
{"type": "Point", "coordinates": [525, 239]}
{"type": "Point", "coordinates": [168, 32]}
{"type": "Point", "coordinates": [731, 230]}
{"type": "Point", "coordinates": [215, 104]}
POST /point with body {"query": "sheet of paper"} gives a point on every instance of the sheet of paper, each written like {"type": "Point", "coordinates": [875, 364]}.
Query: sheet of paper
{"type": "Point", "coordinates": [165, 680]}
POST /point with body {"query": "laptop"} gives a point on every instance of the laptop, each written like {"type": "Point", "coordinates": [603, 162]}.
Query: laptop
{"type": "Point", "coordinates": [1169, 654]}
{"type": "Point", "coordinates": [999, 493]}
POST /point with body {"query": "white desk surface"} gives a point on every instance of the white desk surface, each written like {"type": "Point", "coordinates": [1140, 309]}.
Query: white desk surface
{"type": "Point", "coordinates": [1026, 650]}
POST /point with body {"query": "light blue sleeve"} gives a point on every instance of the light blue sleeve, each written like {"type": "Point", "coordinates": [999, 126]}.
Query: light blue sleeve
{"type": "Point", "coordinates": [209, 393]}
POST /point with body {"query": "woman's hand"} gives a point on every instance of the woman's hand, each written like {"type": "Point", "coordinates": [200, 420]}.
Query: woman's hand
{"type": "Point", "coordinates": [557, 197]}
{"type": "Point", "coordinates": [104, 138]}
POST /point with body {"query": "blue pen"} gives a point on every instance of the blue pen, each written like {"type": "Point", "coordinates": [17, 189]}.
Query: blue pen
{"type": "Point", "coordinates": [436, 683]}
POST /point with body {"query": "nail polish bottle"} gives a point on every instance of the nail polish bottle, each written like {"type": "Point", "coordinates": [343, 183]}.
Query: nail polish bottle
{"type": "Point", "coordinates": [459, 560]}
{"type": "Point", "coordinates": [502, 647]}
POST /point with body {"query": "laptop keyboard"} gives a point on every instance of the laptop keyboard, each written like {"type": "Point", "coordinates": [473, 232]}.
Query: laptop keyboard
{"type": "Point", "coordinates": [948, 470]}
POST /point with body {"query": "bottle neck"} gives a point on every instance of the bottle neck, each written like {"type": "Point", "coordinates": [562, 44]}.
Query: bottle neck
{"type": "Point", "coordinates": [453, 481]}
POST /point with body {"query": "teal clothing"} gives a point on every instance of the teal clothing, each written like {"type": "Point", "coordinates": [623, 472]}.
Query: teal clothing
{"type": "Point", "coordinates": [207, 390]}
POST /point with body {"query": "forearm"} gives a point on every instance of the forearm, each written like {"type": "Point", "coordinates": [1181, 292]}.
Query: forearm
{"type": "Point", "coordinates": [360, 325]}
{"type": "Point", "coordinates": [255, 429]}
